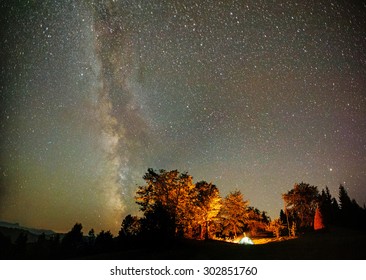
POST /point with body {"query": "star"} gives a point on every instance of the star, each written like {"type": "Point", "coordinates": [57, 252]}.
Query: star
{"type": "Point", "coordinates": [254, 97]}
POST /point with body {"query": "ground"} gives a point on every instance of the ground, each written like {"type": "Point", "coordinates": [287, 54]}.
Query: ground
{"type": "Point", "coordinates": [336, 243]}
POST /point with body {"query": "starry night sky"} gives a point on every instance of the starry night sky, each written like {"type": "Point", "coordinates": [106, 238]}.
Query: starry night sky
{"type": "Point", "coordinates": [248, 95]}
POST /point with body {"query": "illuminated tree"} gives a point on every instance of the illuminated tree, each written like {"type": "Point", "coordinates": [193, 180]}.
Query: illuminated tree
{"type": "Point", "coordinates": [233, 214]}
{"type": "Point", "coordinates": [318, 220]}
{"type": "Point", "coordinates": [256, 221]}
{"type": "Point", "coordinates": [276, 226]}
{"type": "Point", "coordinates": [165, 201]}
{"type": "Point", "coordinates": [207, 205]}
{"type": "Point", "coordinates": [301, 203]}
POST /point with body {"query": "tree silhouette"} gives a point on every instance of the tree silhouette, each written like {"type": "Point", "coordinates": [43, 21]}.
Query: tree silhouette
{"type": "Point", "coordinates": [347, 213]}
{"type": "Point", "coordinates": [345, 202]}
{"type": "Point", "coordinates": [329, 208]}
{"type": "Point", "coordinates": [283, 217]}
{"type": "Point", "coordinates": [54, 245]}
{"type": "Point", "coordinates": [104, 241]}
{"type": "Point", "coordinates": [73, 239]}
{"type": "Point", "coordinates": [91, 237]}
{"type": "Point", "coordinates": [351, 214]}
{"type": "Point", "coordinates": [158, 223]}
{"type": "Point", "coordinates": [131, 226]}
{"type": "Point", "coordinates": [301, 203]}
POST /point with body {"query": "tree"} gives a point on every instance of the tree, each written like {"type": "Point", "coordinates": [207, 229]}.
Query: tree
{"type": "Point", "coordinates": [41, 244]}
{"type": "Point", "coordinates": [158, 223]}
{"type": "Point", "coordinates": [329, 208]}
{"type": "Point", "coordinates": [74, 238]}
{"type": "Point", "coordinates": [300, 204]}
{"type": "Point", "coordinates": [351, 214]}
{"type": "Point", "coordinates": [256, 221]}
{"type": "Point", "coordinates": [276, 226]}
{"type": "Point", "coordinates": [164, 200]}
{"type": "Point", "coordinates": [347, 215]}
{"type": "Point", "coordinates": [325, 204]}
{"type": "Point", "coordinates": [91, 237]}
{"type": "Point", "coordinates": [207, 205]}
{"type": "Point", "coordinates": [104, 241]}
{"type": "Point", "coordinates": [131, 226]}
{"type": "Point", "coordinates": [233, 214]}
{"type": "Point", "coordinates": [283, 217]}
{"type": "Point", "coordinates": [265, 218]}
{"type": "Point", "coordinates": [55, 244]}
{"type": "Point", "coordinates": [345, 202]}
{"type": "Point", "coordinates": [318, 220]}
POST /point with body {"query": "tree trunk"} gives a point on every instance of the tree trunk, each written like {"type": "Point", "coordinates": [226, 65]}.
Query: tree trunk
{"type": "Point", "coordinates": [206, 233]}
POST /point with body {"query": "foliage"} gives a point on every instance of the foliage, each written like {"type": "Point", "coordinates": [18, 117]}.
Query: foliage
{"type": "Point", "coordinates": [207, 204]}
{"type": "Point", "coordinates": [104, 241]}
{"type": "Point", "coordinates": [283, 217]}
{"type": "Point", "coordinates": [301, 203]}
{"type": "Point", "coordinates": [318, 220]}
{"type": "Point", "coordinates": [293, 230]}
{"type": "Point", "coordinates": [131, 226]}
{"type": "Point", "coordinates": [276, 226]}
{"type": "Point", "coordinates": [173, 206]}
{"type": "Point", "coordinates": [328, 207]}
{"type": "Point", "coordinates": [233, 215]}
{"type": "Point", "coordinates": [351, 214]}
{"type": "Point", "coordinates": [256, 221]}
{"type": "Point", "coordinates": [164, 200]}
{"type": "Point", "coordinates": [345, 202]}
{"type": "Point", "coordinates": [73, 238]}
{"type": "Point", "coordinates": [91, 236]}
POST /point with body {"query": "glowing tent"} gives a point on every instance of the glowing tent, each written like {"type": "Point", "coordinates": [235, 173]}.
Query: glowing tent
{"type": "Point", "coordinates": [246, 241]}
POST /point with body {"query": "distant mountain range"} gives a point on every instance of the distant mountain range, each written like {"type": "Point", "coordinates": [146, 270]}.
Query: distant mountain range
{"type": "Point", "coordinates": [31, 230]}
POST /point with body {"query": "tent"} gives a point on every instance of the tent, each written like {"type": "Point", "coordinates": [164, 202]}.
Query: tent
{"type": "Point", "coordinates": [246, 241]}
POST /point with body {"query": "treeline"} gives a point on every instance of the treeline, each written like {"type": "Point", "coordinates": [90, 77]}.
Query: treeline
{"type": "Point", "coordinates": [73, 244]}
{"type": "Point", "coordinates": [173, 206]}
{"type": "Point", "coordinates": [304, 205]}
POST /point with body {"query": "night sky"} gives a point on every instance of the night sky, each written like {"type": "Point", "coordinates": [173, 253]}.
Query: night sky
{"type": "Point", "coordinates": [248, 95]}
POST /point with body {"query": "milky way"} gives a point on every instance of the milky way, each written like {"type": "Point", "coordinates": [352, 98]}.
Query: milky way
{"type": "Point", "coordinates": [249, 95]}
